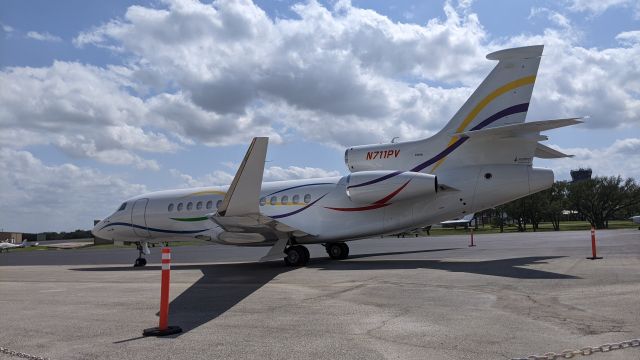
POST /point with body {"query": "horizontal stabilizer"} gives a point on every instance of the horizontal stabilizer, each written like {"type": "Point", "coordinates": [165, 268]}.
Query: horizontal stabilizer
{"type": "Point", "coordinates": [244, 192]}
{"type": "Point", "coordinates": [515, 130]}
{"type": "Point", "coordinates": [545, 152]}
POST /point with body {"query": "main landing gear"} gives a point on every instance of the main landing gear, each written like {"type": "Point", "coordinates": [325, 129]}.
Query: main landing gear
{"type": "Point", "coordinates": [297, 255]}
{"type": "Point", "coordinates": [142, 249]}
{"type": "Point", "coordinates": [337, 250]}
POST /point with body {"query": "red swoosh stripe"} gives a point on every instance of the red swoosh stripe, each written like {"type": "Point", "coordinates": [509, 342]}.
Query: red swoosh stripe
{"type": "Point", "coordinates": [390, 196]}
{"type": "Point", "coordinates": [376, 205]}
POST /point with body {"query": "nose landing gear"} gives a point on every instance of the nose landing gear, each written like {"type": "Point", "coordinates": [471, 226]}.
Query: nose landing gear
{"type": "Point", "coordinates": [143, 249]}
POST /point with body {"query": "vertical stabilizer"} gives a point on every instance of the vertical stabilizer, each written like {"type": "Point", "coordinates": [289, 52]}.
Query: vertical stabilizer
{"type": "Point", "coordinates": [503, 97]}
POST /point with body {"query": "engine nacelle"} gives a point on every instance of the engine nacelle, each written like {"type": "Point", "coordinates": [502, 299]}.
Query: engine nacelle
{"type": "Point", "coordinates": [369, 187]}
{"type": "Point", "coordinates": [377, 157]}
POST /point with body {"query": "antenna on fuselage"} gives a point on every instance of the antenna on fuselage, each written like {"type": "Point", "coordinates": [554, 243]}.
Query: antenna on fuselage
{"type": "Point", "coordinates": [393, 141]}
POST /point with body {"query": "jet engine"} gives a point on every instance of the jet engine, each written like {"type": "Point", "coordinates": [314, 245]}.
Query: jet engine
{"type": "Point", "coordinates": [377, 157]}
{"type": "Point", "coordinates": [382, 186]}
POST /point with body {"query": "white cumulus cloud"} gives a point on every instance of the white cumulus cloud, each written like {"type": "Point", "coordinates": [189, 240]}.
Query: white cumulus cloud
{"type": "Point", "coordinates": [43, 36]}
{"type": "Point", "coordinates": [65, 197]}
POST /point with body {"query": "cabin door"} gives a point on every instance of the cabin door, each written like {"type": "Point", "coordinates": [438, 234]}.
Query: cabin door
{"type": "Point", "coordinates": [139, 219]}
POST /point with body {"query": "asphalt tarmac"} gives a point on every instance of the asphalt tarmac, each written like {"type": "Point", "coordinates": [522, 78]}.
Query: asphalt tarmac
{"type": "Point", "coordinates": [511, 296]}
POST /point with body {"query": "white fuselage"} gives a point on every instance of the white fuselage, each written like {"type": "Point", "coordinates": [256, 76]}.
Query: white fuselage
{"type": "Point", "coordinates": [321, 207]}
{"type": "Point", "coordinates": [481, 158]}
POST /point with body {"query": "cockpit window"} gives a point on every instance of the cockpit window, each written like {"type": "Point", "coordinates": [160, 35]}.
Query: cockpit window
{"type": "Point", "coordinates": [123, 206]}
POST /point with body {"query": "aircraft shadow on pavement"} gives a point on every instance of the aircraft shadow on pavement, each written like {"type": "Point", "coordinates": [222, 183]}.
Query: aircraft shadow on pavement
{"type": "Point", "coordinates": [222, 286]}
{"type": "Point", "coordinates": [511, 268]}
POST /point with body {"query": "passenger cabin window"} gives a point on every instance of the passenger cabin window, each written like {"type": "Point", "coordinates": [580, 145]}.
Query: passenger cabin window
{"type": "Point", "coordinates": [263, 201]}
{"type": "Point", "coordinates": [209, 204]}
{"type": "Point", "coordinates": [274, 200]}
{"type": "Point", "coordinates": [199, 205]}
{"type": "Point", "coordinates": [295, 199]}
{"type": "Point", "coordinates": [180, 207]}
{"type": "Point", "coordinates": [284, 200]}
{"type": "Point", "coordinates": [189, 206]}
{"type": "Point", "coordinates": [122, 207]}
{"type": "Point", "coordinates": [170, 208]}
{"type": "Point", "coordinates": [218, 203]}
{"type": "Point", "coordinates": [307, 198]}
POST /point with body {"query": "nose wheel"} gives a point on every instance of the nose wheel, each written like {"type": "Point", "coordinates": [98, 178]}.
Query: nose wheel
{"type": "Point", "coordinates": [140, 261]}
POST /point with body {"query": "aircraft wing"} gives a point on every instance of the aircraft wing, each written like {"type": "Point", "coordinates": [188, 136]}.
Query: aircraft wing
{"type": "Point", "coordinates": [239, 213]}
{"type": "Point", "coordinates": [244, 192]}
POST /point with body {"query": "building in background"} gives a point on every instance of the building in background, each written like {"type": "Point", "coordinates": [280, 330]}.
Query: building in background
{"type": "Point", "coordinates": [11, 237]}
{"type": "Point", "coordinates": [580, 175]}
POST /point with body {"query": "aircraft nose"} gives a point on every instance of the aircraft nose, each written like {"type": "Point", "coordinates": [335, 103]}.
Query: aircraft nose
{"type": "Point", "coordinates": [96, 229]}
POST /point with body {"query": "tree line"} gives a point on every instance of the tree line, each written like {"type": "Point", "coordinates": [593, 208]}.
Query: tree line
{"type": "Point", "coordinates": [77, 234]}
{"type": "Point", "coordinates": [596, 200]}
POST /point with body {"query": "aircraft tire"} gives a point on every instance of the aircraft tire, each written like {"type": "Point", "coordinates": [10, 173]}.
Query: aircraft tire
{"type": "Point", "coordinates": [140, 262]}
{"type": "Point", "coordinates": [338, 250]}
{"type": "Point", "coordinates": [306, 254]}
{"type": "Point", "coordinates": [297, 255]}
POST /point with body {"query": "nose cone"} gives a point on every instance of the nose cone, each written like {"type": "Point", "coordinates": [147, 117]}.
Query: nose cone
{"type": "Point", "coordinates": [97, 229]}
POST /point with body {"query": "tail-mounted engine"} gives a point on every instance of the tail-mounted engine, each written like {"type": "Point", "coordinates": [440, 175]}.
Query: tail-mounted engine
{"type": "Point", "coordinates": [368, 187]}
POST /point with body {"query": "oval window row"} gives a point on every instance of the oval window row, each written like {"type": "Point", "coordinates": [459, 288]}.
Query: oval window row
{"type": "Point", "coordinates": [284, 200]}
{"type": "Point", "coordinates": [199, 205]}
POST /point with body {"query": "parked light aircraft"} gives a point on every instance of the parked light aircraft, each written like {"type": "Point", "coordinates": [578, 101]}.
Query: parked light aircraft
{"type": "Point", "coordinates": [463, 221]}
{"type": "Point", "coordinates": [480, 159]}
{"type": "Point", "coordinates": [5, 246]}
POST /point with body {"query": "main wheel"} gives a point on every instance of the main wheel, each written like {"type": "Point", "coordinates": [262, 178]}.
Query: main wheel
{"type": "Point", "coordinates": [338, 250]}
{"type": "Point", "coordinates": [140, 262]}
{"type": "Point", "coordinates": [306, 254]}
{"type": "Point", "coordinates": [297, 255]}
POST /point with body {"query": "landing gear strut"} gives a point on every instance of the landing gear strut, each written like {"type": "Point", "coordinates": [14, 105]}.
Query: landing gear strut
{"type": "Point", "coordinates": [297, 255]}
{"type": "Point", "coordinates": [337, 250]}
{"type": "Point", "coordinates": [140, 261]}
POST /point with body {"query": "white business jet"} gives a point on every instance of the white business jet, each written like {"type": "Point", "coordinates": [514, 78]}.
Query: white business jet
{"type": "Point", "coordinates": [482, 158]}
{"type": "Point", "coordinates": [6, 246]}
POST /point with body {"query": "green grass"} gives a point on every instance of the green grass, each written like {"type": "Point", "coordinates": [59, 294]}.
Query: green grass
{"type": "Point", "coordinates": [173, 244]}
{"type": "Point", "coordinates": [30, 248]}
{"type": "Point", "coordinates": [546, 226]}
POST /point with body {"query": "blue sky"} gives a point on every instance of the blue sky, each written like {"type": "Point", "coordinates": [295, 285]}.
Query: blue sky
{"type": "Point", "coordinates": [103, 100]}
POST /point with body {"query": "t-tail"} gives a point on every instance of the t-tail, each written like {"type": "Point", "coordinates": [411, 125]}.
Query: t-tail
{"type": "Point", "coordinates": [504, 95]}
{"type": "Point", "coordinates": [489, 128]}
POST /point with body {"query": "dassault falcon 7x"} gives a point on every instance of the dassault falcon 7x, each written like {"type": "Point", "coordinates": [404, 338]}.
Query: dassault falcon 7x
{"type": "Point", "coordinates": [480, 159]}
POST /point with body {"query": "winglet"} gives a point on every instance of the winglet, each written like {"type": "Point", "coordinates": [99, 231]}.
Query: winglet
{"type": "Point", "coordinates": [244, 192]}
